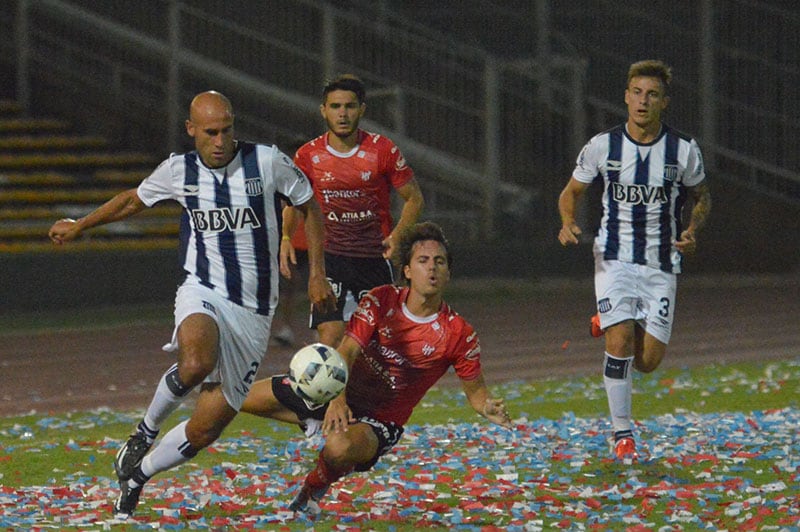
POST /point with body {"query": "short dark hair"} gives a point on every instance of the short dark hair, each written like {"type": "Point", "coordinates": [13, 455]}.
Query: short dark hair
{"type": "Point", "coordinates": [345, 82]}
{"type": "Point", "coordinates": [418, 233]}
{"type": "Point", "coordinates": [651, 68]}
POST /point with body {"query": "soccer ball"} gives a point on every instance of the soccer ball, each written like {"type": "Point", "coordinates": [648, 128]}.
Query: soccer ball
{"type": "Point", "coordinates": [317, 374]}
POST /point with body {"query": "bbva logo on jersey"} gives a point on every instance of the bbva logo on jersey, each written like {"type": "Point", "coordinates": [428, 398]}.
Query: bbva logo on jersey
{"type": "Point", "coordinates": [638, 194]}
{"type": "Point", "coordinates": [225, 219]}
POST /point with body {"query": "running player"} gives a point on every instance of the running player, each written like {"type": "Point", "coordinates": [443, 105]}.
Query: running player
{"type": "Point", "coordinates": [398, 344]}
{"type": "Point", "coordinates": [649, 169]}
{"type": "Point", "coordinates": [353, 172]}
{"type": "Point", "coordinates": [223, 309]}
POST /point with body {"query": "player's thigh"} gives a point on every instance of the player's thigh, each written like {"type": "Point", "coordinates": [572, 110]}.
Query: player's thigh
{"type": "Point", "coordinates": [659, 290]}
{"type": "Point", "coordinates": [616, 293]}
{"type": "Point", "coordinates": [261, 401]}
{"type": "Point", "coordinates": [198, 343]}
{"type": "Point", "coordinates": [357, 445]}
{"type": "Point", "coordinates": [331, 332]}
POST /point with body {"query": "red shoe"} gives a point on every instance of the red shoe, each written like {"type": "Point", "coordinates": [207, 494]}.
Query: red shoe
{"type": "Point", "coordinates": [625, 449]}
{"type": "Point", "coordinates": [595, 329]}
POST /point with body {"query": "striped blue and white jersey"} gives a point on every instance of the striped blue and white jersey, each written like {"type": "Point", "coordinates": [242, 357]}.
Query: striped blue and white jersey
{"type": "Point", "coordinates": [230, 235]}
{"type": "Point", "coordinates": [645, 189]}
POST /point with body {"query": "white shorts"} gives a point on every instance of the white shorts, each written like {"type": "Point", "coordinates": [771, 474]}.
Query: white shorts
{"type": "Point", "coordinates": [628, 291]}
{"type": "Point", "coordinates": [243, 338]}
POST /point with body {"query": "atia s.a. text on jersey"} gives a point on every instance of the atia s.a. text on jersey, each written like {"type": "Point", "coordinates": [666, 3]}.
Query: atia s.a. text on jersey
{"type": "Point", "coordinates": [230, 220]}
{"type": "Point", "coordinates": [644, 193]}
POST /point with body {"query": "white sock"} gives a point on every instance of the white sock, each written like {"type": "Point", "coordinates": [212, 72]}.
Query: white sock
{"type": "Point", "coordinates": [618, 381]}
{"type": "Point", "coordinates": [173, 449]}
{"type": "Point", "coordinates": [165, 400]}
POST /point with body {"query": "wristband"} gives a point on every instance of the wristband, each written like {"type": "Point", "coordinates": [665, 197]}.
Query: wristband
{"type": "Point", "coordinates": [284, 237]}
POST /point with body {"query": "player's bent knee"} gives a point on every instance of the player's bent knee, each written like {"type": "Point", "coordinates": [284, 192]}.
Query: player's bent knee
{"type": "Point", "coordinates": [643, 366]}
{"type": "Point", "coordinates": [194, 369]}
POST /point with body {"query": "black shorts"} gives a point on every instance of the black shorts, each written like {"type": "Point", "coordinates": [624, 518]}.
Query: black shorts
{"type": "Point", "coordinates": [353, 276]}
{"type": "Point", "coordinates": [388, 434]}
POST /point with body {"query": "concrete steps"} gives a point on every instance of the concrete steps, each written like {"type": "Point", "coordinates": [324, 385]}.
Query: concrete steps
{"type": "Point", "coordinates": [48, 172]}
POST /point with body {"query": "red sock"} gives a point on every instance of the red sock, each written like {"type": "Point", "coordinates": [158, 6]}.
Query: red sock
{"type": "Point", "coordinates": [318, 480]}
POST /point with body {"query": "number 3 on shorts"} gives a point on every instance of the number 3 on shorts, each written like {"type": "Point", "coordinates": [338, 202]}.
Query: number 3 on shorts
{"type": "Point", "coordinates": [664, 310]}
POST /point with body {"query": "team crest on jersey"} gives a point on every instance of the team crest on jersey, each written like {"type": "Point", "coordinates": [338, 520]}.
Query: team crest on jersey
{"type": "Point", "coordinates": [361, 154]}
{"type": "Point", "coordinates": [254, 187]}
{"type": "Point", "coordinates": [385, 331]}
{"type": "Point", "coordinates": [613, 166]}
{"type": "Point", "coordinates": [670, 172]}
{"type": "Point", "coordinates": [428, 350]}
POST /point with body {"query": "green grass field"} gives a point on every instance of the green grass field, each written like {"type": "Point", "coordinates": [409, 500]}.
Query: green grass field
{"type": "Point", "coordinates": [720, 451]}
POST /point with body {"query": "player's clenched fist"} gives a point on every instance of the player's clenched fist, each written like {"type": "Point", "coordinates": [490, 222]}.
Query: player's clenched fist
{"type": "Point", "coordinates": [64, 230]}
{"type": "Point", "coordinates": [569, 234]}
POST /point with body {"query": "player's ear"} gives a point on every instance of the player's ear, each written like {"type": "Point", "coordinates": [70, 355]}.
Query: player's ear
{"type": "Point", "coordinates": [190, 128]}
{"type": "Point", "coordinates": [322, 109]}
{"type": "Point", "coordinates": [406, 272]}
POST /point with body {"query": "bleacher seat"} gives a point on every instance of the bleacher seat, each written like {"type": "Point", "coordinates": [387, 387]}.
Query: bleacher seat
{"type": "Point", "coordinates": [48, 172]}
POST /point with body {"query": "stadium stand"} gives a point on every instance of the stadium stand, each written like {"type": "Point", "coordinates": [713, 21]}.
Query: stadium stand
{"type": "Point", "coordinates": [48, 171]}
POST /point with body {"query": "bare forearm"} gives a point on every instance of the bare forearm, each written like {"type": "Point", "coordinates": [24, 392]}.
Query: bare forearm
{"type": "Point", "coordinates": [315, 235]}
{"type": "Point", "coordinates": [411, 211]}
{"type": "Point", "coordinates": [701, 208]}
{"type": "Point", "coordinates": [121, 206]}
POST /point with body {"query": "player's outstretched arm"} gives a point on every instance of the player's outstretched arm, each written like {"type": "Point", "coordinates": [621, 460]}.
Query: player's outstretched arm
{"type": "Point", "coordinates": [492, 408]}
{"type": "Point", "coordinates": [121, 206]}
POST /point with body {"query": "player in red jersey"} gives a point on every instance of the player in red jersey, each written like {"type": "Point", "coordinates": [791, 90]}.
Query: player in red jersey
{"type": "Point", "coordinates": [353, 172]}
{"type": "Point", "coordinates": [398, 344]}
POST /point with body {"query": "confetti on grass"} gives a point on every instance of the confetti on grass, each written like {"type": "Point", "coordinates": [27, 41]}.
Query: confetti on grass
{"type": "Point", "coordinates": [698, 471]}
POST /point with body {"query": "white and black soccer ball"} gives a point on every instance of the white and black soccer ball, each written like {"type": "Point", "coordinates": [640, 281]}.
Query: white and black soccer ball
{"type": "Point", "coordinates": [317, 373]}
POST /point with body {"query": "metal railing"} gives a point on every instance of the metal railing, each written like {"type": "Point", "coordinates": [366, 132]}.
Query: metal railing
{"type": "Point", "coordinates": [486, 135]}
{"type": "Point", "coordinates": [462, 118]}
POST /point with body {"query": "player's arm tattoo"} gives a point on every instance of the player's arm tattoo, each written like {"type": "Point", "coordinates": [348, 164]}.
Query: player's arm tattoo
{"type": "Point", "coordinates": [701, 196]}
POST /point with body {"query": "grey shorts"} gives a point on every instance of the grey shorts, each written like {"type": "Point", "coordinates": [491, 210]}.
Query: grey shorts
{"type": "Point", "coordinates": [243, 338]}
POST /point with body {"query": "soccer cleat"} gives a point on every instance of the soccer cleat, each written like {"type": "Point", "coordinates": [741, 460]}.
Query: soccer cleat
{"type": "Point", "coordinates": [625, 449]}
{"type": "Point", "coordinates": [595, 329]}
{"type": "Point", "coordinates": [130, 456]}
{"type": "Point", "coordinates": [127, 500]}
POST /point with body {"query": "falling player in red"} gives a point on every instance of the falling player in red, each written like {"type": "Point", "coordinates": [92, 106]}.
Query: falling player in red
{"type": "Point", "coordinates": [398, 344]}
{"type": "Point", "coordinates": [353, 173]}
